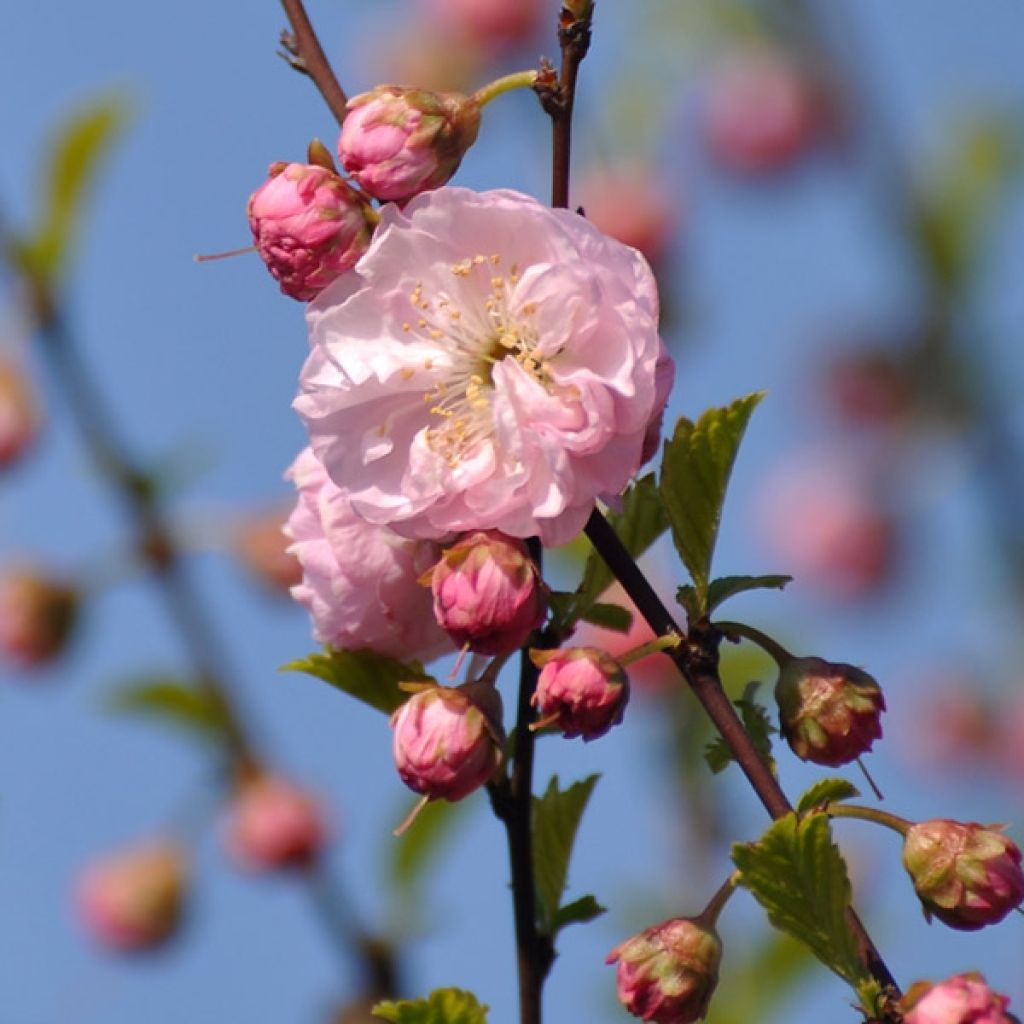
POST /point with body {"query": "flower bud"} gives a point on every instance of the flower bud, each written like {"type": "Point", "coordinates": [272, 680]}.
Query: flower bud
{"type": "Point", "coordinates": [261, 546]}
{"type": "Point", "coordinates": [19, 422]}
{"type": "Point", "coordinates": [829, 712]}
{"type": "Point", "coordinates": [967, 875]}
{"type": "Point", "coordinates": [667, 973]}
{"type": "Point", "coordinates": [582, 690]}
{"type": "Point", "coordinates": [309, 227]}
{"type": "Point", "coordinates": [448, 740]}
{"type": "Point", "coordinates": [132, 900]}
{"type": "Point", "coordinates": [962, 999]}
{"type": "Point", "coordinates": [273, 824]}
{"type": "Point", "coordinates": [494, 25]}
{"type": "Point", "coordinates": [399, 142]}
{"type": "Point", "coordinates": [488, 594]}
{"type": "Point", "coordinates": [37, 617]}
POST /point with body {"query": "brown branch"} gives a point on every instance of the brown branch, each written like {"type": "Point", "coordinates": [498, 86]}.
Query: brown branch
{"type": "Point", "coordinates": [574, 22]}
{"type": "Point", "coordinates": [697, 661]}
{"type": "Point", "coordinates": [309, 57]}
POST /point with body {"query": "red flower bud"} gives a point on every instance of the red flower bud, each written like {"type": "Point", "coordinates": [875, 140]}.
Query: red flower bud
{"type": "Point", "coordinates": [37, 617]}
{"type": "Point", "coordinates": [488, 595]}
{"type": "Point", "coordinates": [582, 690]}
{"type": "Point", "coordinates": [447, 741]}
{"type": "Point", "coordinates": [967, 875]}
{"type": "Point", "coordinates": [667, 973]}
{"type": "Point", "coordinates": [962, 999]}
{"type": "Point", "coordinates": [19, 420]}
{"type": "Point", "coordinates": [272, 824]}
{"type": "Point", "coordinates": [132, 900]}
{"type": "Point", "coordinates": [829, 712]}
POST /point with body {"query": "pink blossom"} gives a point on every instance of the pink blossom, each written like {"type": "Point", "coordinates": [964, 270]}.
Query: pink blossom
{"type": "Point", "coordinates": [132, 900]}
{"type": "Point", "coordinates": [447, 741]}
{"type": "Point", "coordinates": [37, 616]}
{"type": "Point", "coordinates": [967, 875]}
{"type": "Point", "coordinates": [19, 419]}
{"type": "Point", "coordinates": [309, 227]}
{"type": "Point", "coordinates": [399, 142]}
{"type": "Point", "coordinates": [581, 690]}
{"type": "Point", "coordinates": [668, 973]}
{"type": "Point", "coordinates": [274, 824]}
{"type": "Point", "coordinates": [493, 24]}
{"type": "Point", "coordinates": [360, 581]}
{"type": "Point", "coordinates": [488, 594]}
{"type": "Point", "coordinates": [491, 364]}
{"type": "Point", "coordinates": [962, 999]}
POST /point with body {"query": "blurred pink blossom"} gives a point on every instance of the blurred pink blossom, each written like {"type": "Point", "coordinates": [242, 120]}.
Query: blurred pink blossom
{"type": "Point", "coordinates": [491, 364]}
{"type": "Point", "coordinates": [38, 613]}
{"type": "Point", "coordinates": [19, 417]}
{"type": "Point", "coordinates": [262, 548]}
{"type": "Point", "coordinates": [492, 24]}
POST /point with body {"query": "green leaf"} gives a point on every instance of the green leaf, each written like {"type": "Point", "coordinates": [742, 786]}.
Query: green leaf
{"type": "Point", "coordinates": [413, 851]}
{"type": "Point", "coordinates": [580, 911]}
{"type": "Point", "coordinates": [758, 724]}
{"type": "Point", "coordinates": [442, 1006]}
{"type": "Point", "coordinates": [640, 523]}
{"type": "Point", "coordinates": [72, 166]}
{"type": "Point", "coordinates": [694, 476]}
{"type": "Point", "coordinates": [178, 703]}
{"type": "Point", "coordinates": [609, 616]}
{"type": "Point", "coordinates": [729, 586]}
{"type": "Point", "coordinates": [556, 818]}
{"type": "Point", "coordinates": [826, 791]}
{"type": "Point", "coordinates": [367, 676]}
{"type": "Point", "coordinates": [798, 875]}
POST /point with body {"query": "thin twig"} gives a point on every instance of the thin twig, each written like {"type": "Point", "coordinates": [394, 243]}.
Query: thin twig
{"type": "Point", "coordinates": [312, 60]}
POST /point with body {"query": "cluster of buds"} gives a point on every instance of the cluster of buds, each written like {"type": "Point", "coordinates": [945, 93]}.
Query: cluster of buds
{"type": "Point", "coordinates": [966, 875]}
{"type": "Point", "coordinates": [667, 973]}
{"type": "Point", "coordinates": [829, 712]}
{"type": "Point", "coordinates": [272, 824]}
{"type": "Point", "coordinates": [132, 900]}
{"type": "Point", "coordinates": [448, 740]}
{"type": "Point", "coordinates": [962, 999]}
{"type": "Point", "coordinates": [488, 594]}
{"type": "Point", "coordinates": [308, 224]}
{"type": "Point", "coordinates": [581, 690]}
{"type": "Point", "coordinates": [37, 617]}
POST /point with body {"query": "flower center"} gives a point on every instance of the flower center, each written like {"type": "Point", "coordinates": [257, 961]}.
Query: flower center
{"type": "Point", "coordinates": [477, 339]}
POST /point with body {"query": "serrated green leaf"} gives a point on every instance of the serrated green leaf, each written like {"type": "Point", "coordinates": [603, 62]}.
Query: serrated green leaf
{"type": "Point", "coordinates": [694, 477]}
{"type": "Point", "coordinates": [826, 791]}
{"type": "Point", "coordinates": [412, 852]}
{"type": "Point", "coordinates": [798, 875]}
{"type": "Point", "coordinates": [556, 818]}
{"type": "Point", "coordinates": [442, 1006]}
{"type": "Point", "coordinates": [729, 586]}
{"type": "Point", "coordinates": [760, 729]}
{"type": "Point", "coordinates": [580, 911]}
{"type": "Point", "coordinates": [72, 165]}
{"type": "Point", "coordinates": [640, 523]}
{"type": "Point", "coordinates": [175, 702]}
{"type": "Point", "coordinates": [367, 676]}
{"type": "Point", "coordinates": [609, 616]}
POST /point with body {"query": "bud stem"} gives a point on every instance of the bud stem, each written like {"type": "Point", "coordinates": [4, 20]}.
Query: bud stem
{"type": "Point", "coordinates": [662, 643]}
{"type": "Point", "coordinates": [507, 83]}
{"type": "Point", "coordinates": [871, 782]}
{"type": "Point", "coordinates": [731, 630]}
{"type": "Point", "coordinates": [893, 821]}
{"type": "Point", "coordinates": [708, 917]}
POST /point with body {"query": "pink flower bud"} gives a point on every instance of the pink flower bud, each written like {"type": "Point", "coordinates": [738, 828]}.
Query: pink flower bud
{"type": "Point", "coordinates": [967, 875]}
{"type": "Point", "coordinates": [448, 740]}
{"type": "Point", "coordinates": [488, 594]}
{"type": "Point", "coordinates": [273, 824]}
{"type": "Point", "coordinates": [132, 900]}
{"type": "Point", "coordinates": [582, 690]}
{"type": "Point", "coordinates": [829, 713]}
{"type": "Point", "coordinates": [492, 24]}
{"type": "Point", "coordinates": [399, 142]}
{"type": "Point", "coordinates": [19, 422]}
{"type": "Point", "coordinates": [263, 549]}
{"type": "Point", "coordinates": [37, 617]}
{"type": "Point", "coordinates": [764, 110]}
{"type": "Point", "coordinates": [309, 227]}
{"type": "Point", "coordinates": [962, 999]}
{"type": "Point", "coordinates": [667, 973]}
